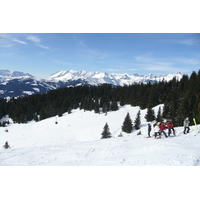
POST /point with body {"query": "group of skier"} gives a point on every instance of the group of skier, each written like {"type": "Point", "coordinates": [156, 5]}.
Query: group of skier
{"type": "Point", "coordinates": [159, 128]}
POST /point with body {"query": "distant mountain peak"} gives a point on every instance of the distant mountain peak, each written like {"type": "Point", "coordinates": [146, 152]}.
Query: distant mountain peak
{"type": "Point", "coordinates": [14, 83]}
{"type": "Point", "coordinates": [95, 78]}
{"type": "Point", "coordinates": [7, 73]}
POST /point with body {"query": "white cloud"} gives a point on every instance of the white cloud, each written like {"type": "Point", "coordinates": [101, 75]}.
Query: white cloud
{"type": "Point", "coordinates": [187, 61]}
{"type": "Point", "coordinates": [33, 38]}
{"type": "Point", "coordinates": [79, 41]}
{"type": "Point", "coordinates": [187, 42]}
{"type": "Point", "coordinates": [7, 40]}
{"type": "Point", "coordinates": [152, 67]}
{"type": "Point", "coordinates": [19, 41]}
{"type": "Point", "coordinates": [160, 64]}
{"type": "Point", "coordinates": [151, 60]}
{"type": "Point", "coordinates": [61, 62]}
{"type": "Point", "coordinates": [113, 69]}
{"type": "Point", "coordinates": [133, 69]}
{"type": "Point", "coordinates": [42, 46]}
{"type": "Point", "coordinates": [37, 41]}
{"type": "Point", "coordinates": [98, 54]}
{"type": "Point", "coordinates": [4, 35]}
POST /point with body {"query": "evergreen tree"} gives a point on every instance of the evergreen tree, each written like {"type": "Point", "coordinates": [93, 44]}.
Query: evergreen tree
{"type": "Point", "coordinates": [196, 109]}
{"type": "Point", "coordinates": [108, 106]}
{"type": "Point", "coordinates": [122, 100]}
{"type": "Point", "coordinates": [6, 146]}
{"type": "Point", "coordinates": [169, 107]}
{"type": "Point", "coordinates": [36, 117]}
{"type": "Point", "coordinates": [183, 111]}
{"type": "Point", "coordinates": [42, 114]}
{"type": "Point", "coordinates": [150, 116]}
{"type": "Point", "coordinates": [106, 132]}
{"type": "Point", "coordinates": [137, 121]}
{"type": "Point", "coordinates": [69, 110]}
{"type": "Point", "coordinates": [180, 99]}
{"type": "Point", "coordinates": [127, 124]}
{"type": "Point", "coordinates": [159, 115]}
{"type": "Point", "coordinates": [96, 106]}
{"type": "Point", "coordinates": [114, 105]}
{"type": "Point", "coordinates": [104, 108]}
{"type": "Point", "coordinates": [60, 113]}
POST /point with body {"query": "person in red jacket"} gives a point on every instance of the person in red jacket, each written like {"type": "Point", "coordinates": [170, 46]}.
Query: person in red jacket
{"type": "Point", "coordinates": [162, 128]}
{"type": "Point", "coordinates": [170, 127]}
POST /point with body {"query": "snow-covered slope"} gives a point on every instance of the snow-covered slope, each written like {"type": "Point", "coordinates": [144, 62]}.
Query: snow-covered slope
{"type": "Point", "coordinates": [95, 78]}
{"type": "Point", "coordinates": [75, 141]}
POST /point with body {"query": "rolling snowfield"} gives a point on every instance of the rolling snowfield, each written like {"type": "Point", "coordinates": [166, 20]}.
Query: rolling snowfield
{"type": "Point", "coordinates": [75, 141]}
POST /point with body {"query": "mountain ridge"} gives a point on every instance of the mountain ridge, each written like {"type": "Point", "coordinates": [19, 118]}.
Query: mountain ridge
{"type": "Point", "coordinates": [96, 78]}
{"type": "Point", "coordinates": [15, 83]}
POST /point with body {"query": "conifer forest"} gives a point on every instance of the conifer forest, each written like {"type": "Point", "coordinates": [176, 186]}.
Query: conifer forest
{"type": "Point", "coordinates": [180, 99]}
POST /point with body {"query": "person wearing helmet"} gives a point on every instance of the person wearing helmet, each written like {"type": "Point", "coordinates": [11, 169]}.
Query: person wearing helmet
{"type": "Point", "coordinates": [157, 130]}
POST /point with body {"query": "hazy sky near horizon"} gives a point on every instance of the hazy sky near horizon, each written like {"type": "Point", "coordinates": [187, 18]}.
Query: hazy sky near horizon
{"type": "Point", "coordinates": [42, 54]}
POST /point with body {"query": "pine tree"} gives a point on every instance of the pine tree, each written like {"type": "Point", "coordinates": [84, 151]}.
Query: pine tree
{"type": "Point", "coordinates": [159, 115]}
{"type": "Point", "coordinates": [150, 116]}
{"type": "Point", "coordinates": [36, 117]}
{"type": "Point", "coordinates": [114, 105]}
{"type": "Point", "coordinates": [127, 124]}
{"type": "Point", "coordinates": [106, 133]}
{"type": "Point", "coordinates": [183, 111]}
{"type": "Point", "coordinates": [96, 106]}
{"type": "Point", "coordinates": [104, 108]}
{"type": "Point", "coordinates": [6, 146]}
{"type": "Point", "coordinates": [137, 121]}
{"type": "Point", "coordinates": [69, 110]}
{"type": "Point", "coordinates": [42, 114]}
{"type": "Point", "coordinates": [60, 113]}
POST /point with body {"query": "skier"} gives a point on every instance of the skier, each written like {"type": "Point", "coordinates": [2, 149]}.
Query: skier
{"type": "Point", "coordinates": [162, 128]}
{"type": "Point", "coordinates": [149, 130]}
{"type": "Point", "coordinates": [186, 125]}
{"type": "Point", "coordinates": [157, 130]}
{"type": "Point", "coordinates": [170, 127]}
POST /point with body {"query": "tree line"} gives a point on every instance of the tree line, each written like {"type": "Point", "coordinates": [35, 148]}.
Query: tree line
{"type": "Point", "coordinates": [180, 98]}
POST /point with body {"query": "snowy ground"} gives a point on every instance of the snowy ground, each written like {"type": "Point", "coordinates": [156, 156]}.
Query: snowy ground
{"type": "Point", "coordinates": [75, 141]}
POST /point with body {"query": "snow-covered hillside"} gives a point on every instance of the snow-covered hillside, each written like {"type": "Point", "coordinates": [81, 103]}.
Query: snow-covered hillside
{"type": "Point", "coordinates": [75, 141]}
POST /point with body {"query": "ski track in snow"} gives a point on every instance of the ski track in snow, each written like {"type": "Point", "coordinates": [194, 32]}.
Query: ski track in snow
{"type": "Point", "coordinates": [75, 141]}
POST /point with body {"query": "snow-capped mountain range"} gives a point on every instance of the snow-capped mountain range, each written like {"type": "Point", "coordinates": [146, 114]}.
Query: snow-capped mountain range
{"type": "Point", "coordinates": [7, 75]}
{"type": "Point", "coordinates": [14, 83]}
{"type": "Point", "coordinates": [95, 78]}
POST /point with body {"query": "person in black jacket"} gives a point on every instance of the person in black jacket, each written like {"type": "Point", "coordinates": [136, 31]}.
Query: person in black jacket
{"type": "Point", "coordinates": [149, 130]}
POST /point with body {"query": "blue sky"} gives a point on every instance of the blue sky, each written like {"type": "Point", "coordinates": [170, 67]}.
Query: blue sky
{"type": "Point", "coordinates": [42, 54]}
